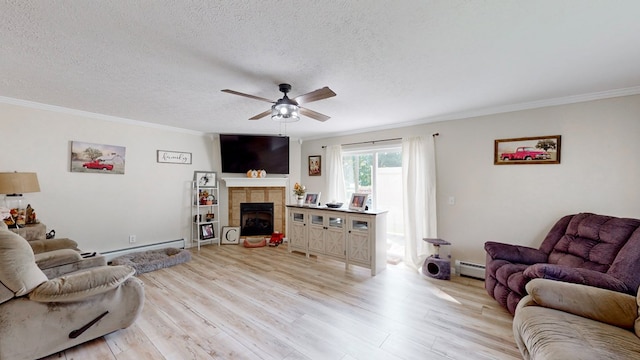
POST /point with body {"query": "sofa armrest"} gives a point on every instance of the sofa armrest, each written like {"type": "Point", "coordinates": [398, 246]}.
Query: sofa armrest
{"type": "Point", "coordinates": [514, 253]}
{"type": "Point", "coordinates": [40, 246]}
{"type": "Point", "coordinates": [576, 276]}
{"type": "Point", "coordinates": [594, 303]}
{"type": "Point", "coordinates": [56, 258]}
{"type": "Point", "coordinates": [81, 285]}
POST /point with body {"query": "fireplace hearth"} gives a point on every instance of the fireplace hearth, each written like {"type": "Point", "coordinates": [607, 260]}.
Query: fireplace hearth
{"type": "Point", "coordinates": [256, 218]}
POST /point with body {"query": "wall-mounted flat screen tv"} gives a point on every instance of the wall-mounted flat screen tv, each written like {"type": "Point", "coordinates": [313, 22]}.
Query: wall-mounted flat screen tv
{"type": "Point", "coordinates": [241, 153]}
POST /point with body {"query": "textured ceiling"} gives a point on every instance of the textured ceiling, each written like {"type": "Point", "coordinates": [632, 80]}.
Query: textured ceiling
{"type": "Point", "coordinates": [409, 61]}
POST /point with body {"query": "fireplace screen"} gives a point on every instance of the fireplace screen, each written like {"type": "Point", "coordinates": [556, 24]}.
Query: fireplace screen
{"type": "Point", "coordinates": [256, 219]}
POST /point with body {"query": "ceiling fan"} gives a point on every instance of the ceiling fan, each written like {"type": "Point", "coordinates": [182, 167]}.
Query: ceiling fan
{"type": "Point", "coordinates": [289, 110]}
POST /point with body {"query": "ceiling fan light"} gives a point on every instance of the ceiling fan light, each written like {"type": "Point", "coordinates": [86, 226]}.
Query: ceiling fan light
{"type": "Point", "coordinates": [285, 113]}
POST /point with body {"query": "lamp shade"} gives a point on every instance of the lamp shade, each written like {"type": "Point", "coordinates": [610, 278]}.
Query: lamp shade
{"type": "Point", "coordinates": [18, 183]}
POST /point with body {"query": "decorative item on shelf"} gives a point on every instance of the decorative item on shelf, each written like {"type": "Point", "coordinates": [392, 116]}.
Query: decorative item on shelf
{"type": "Point", "coordinates": [206, 232]}
{"type": "Point", "coordinates": [262, 174]}
{"type": "Point", "coordinates": [312, 199]}
{"type": "Point", "coordinates": [210, 216]}
{"type": "Point", "coordinates": [203, 195]}
{"type": "Point", "coordinates": [252, 173]}
{"type": "Point", "coordinates": [334, 205]}
{"type": "Point", "coordinates": [14, 184]}
{"type": "Point", "coordinates": [299, 191]}
{"type": "Point", "coordinates": [358, 202]}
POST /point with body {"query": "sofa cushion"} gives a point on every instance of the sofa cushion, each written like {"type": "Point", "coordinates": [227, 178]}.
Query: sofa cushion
{"type": "Point", "coordinates": [80, 285]}
{"type": "Point", "coordinates": [18, 269]}
{"type": "Point", "coordinates": [543, 333]}
{"type": "Point", "coordinates": [592, 241]}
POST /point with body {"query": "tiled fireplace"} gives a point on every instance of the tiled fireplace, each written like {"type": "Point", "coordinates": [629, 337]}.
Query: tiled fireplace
{"type": "Point", "coordinates": [257, 191]}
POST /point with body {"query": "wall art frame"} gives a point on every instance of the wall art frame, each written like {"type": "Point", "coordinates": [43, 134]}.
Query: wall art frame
{"type": "Point", "coordinates": [205, 178]}
{"type": "Point", "coordinates": [173, 157]}
{"type": "Point", "coordinates": [527, 150]}
{"type": "Point", "coordinates": [315, 165]}
{"type": "Point", "coordinates": [97, 158]}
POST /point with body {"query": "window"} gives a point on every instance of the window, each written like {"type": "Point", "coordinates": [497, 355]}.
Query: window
{"type": "Point", "coordinates": [378, 172]}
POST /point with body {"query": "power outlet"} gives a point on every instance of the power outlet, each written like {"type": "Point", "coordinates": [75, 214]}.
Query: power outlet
{"type": "Point", "coordinates": [132, 239]}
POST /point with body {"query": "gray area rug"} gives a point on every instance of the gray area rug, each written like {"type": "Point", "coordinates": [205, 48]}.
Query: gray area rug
{"type": "Point", "coordinates": [151, 260]}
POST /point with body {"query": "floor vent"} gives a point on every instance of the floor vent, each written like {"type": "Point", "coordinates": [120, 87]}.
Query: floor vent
{"type": "Point", "coordinates": [465, 268]}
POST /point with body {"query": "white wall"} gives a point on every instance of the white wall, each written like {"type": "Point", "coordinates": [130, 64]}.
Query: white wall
{"type": "Point", "coordinates": [151, 200]}
{"type": "Point", "coordinates": [599, 171]}
{"type": "Point", "coordinates": [100, 211]}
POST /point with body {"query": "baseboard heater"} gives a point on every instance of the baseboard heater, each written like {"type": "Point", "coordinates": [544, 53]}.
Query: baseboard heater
{"type": "Point", "coordinates": [110, 255]}
{"type": "Point", "coordinates": [465, 268]}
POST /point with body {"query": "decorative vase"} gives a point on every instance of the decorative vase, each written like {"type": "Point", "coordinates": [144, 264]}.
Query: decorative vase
{"type": "Point", "coordinates": [300, 200]}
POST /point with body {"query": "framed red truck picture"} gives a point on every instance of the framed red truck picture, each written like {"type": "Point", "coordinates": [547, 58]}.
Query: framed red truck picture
{"type": "Point", "coordinates": [527, 150]}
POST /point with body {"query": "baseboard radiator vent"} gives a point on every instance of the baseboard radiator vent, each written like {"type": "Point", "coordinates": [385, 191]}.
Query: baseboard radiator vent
{"type": "Point", "coordinates": [465, 268]}
{"type": "Point", "coordinates": [110, 255]}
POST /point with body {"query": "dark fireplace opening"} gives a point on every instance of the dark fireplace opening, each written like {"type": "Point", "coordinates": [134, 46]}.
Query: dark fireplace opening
{"type": "Point", "coordinates": [256, 219]}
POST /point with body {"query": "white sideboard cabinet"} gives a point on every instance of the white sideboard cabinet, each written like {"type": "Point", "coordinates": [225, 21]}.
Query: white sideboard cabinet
{"type": "Point", "coordinates": [356, 238]}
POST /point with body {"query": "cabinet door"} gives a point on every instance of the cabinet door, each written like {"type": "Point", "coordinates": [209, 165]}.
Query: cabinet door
{"type": "Point", "coordinates": [335, 237]}
{"type": "Point", "coordinates": [316, 233]}
{"type": "Point", "coordinates": [297, 236]}
{"type": "Point", "coordinates": [359, 240]}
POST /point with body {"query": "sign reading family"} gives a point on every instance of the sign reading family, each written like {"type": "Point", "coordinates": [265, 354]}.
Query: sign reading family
{"type": "Point", "coordinates": [174, 157]}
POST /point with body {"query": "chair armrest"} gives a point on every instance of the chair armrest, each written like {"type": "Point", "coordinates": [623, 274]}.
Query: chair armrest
{"type": "Point", "coordinates": [50, 259]}
{"type": "Point", "coordinates": [514, 253]}
{"type": "Point", "coordinates": [594, 303]}
{"type": "Point", "coordinates": [576, 276]}
{"type": "Point", "coordinates": [81, 285]}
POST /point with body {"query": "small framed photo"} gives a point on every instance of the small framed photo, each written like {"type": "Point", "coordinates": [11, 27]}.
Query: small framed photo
{"type": "Point", "coordinates": [358, 202]}
{"type": "Point", "coordinates": [315, 165]}
{"type": "Point", "coordinates": [312, 199]}
{"type": "Point", "coordinates": [206, 231]}
{"type": "Point", "coordinates": [205, 178]}
{"type": "Point", "coordinates": [527, 150]}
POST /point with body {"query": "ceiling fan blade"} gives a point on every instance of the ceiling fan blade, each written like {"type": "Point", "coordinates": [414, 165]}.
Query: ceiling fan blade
{"type": "Point", "coordinates": [247, 95]}
{"type": "Point", "coordinates": [315, 95]}
{"type": "Point", "coordinates": [314, 115]}
{"type": "Point", "coordinates": [261, 115]}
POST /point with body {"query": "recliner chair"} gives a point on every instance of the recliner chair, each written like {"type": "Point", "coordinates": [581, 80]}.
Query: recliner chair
{"type": "Point", "coordinates": [589, 249]}
{"type": "Point", "coordinates": [41, 316]}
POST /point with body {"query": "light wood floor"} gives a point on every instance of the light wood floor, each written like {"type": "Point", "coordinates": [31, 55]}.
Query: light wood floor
{"type": "Point", "coordinates": [230, 302]}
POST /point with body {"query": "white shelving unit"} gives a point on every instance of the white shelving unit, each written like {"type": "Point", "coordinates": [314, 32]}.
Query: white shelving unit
{"type": "Point", "coordinates": [205, 228]}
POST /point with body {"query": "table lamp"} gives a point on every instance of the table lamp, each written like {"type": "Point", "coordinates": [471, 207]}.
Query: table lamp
{"type": "Point", "coordinates": [13, 185]}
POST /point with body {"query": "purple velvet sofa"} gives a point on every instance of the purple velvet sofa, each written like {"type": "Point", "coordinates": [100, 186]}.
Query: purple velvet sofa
{"type": "Point", "coordinates": [595, 250]}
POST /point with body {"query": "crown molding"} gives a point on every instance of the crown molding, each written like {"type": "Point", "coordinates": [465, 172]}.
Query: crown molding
{"type": "Point", "coordinates": [497, 110]}
{"type": "Point", "coordinates": [96, 116]}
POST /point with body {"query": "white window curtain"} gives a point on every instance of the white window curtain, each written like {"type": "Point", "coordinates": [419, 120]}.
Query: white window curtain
{"type": "Point", "coordinates": [336, 189]}
{"type": "Point", "coordinates": [419, 181]}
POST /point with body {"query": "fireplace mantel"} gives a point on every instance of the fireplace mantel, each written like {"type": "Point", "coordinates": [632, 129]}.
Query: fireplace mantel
{"type": "Point", "coordinates": [256, 182]}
